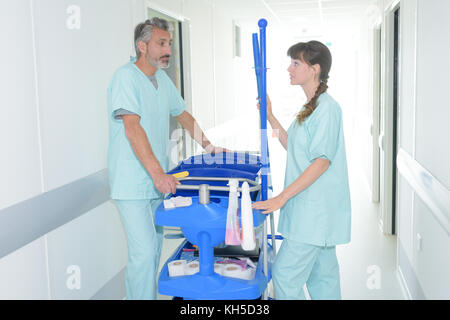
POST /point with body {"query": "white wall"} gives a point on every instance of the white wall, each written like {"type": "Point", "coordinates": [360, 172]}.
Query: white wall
{"type": "Point", "coordinates": [219, 80]}
{"type": "Point", "coordinates": [422, 125]}
{"type": "Point", "coordinates": [362, 117]}
{"type": "Point", "coordinates": [55, 132]}
{"type": "Point", "coordinates": [422, 115]}
{"type": "Point", "coordinates": [407, 132]}
{"type": "Point", "coordinates": [432, 263]}
{"type": "Point", "coordinates": [200, 15]}
{"type": "Point", "coordinates": [19, 129]}
{"type": "Point", "coordinates": [72, 73]}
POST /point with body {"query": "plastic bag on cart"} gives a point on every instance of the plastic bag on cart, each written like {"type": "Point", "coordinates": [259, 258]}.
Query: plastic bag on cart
{"type": "Point", "coordinates": [232, 234]}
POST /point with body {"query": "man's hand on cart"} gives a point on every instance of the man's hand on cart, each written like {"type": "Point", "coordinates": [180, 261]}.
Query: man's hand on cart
{"type": "Point", "coordinates": [270, 205]}
{"type": "Point", "coordinates": [166, 183]}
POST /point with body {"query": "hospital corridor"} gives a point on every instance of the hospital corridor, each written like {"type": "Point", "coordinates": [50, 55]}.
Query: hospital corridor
{"type": "Point", "coordinates": [136, 163]}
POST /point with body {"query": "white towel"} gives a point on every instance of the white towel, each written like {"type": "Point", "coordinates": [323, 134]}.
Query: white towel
{"type": "Point", "coordinates": [177, 202]}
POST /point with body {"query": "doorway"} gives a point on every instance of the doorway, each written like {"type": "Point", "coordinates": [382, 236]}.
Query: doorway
{"type": "Point", "coordinates": [395, 110]}
{"type": "Point", "coordinates": [388, 141]}
{"type": "Point", "coordinates": [177, 137]}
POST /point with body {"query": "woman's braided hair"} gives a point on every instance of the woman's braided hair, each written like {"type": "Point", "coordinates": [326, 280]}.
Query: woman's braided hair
{"type": "Point", "coordinates": [313, 52]}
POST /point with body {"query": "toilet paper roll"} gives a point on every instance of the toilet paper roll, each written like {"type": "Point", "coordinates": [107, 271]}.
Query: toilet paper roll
{"type": "Point", "coordinates": [235, 271]}
{"type": "Point", "coordinates": [191, 268]}
{"type": "Point", "coordinates": [232, 271]}
{"type": "Point", "coordinates": [218, 268]}
{"type": "Point", "coordinates": [176, 268]}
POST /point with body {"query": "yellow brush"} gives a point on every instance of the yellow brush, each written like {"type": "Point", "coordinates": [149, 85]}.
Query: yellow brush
{"type": "Point", "coordinates": [180, 175]}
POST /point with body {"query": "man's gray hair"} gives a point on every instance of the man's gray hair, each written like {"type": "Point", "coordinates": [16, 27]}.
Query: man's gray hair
{"type": "Point", "coordinates": [143, 31]}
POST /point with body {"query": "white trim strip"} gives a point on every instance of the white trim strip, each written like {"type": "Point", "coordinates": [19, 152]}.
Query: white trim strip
{"type": "Point", "coordinates": [435, 195]}
{"type": "Point", "coordinates": [39, 136]}
{"type": "Point", "coordinates": [36, 93]}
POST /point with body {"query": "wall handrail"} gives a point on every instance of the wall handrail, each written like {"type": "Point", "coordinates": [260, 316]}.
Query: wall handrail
{"type": "Point", "coordinates": [432, 192]}
{"type": "Point", "coordinates": [29, 220]}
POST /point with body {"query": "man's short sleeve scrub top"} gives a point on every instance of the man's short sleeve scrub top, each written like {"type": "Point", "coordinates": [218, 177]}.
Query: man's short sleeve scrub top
{"type": "Point", "coordinates": [319, 215]}
{"type": "Point", "coordinates": [130, 89]}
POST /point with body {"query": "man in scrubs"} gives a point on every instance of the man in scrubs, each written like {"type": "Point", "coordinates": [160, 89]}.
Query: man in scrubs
{"type": "Point", "coordinates": [141, 98]}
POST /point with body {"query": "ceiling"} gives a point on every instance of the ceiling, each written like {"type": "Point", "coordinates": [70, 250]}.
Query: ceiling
{"type": "Point", "coordinates": [302, 18]}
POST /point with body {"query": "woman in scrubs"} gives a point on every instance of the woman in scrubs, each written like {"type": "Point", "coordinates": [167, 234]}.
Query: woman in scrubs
{"type": "Point", "coordinates": [315, 203]}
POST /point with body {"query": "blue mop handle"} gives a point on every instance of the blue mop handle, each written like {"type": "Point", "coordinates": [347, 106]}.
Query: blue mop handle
{"type": "Point", "coordinates": [263, 96]}
{"type": "Point", "coordinates": [256, 56]}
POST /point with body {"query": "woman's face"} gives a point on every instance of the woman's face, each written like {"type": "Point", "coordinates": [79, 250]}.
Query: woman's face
{"type": "Point", "coordinates": [301, 73]}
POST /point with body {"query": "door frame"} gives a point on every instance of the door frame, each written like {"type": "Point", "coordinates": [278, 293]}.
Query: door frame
{"type": "Point", "coordinates": [387, 219]}
{"type": "Point", "coordinates": [376, 108]}
{"type": "Point", "coordinates": [185, 145]}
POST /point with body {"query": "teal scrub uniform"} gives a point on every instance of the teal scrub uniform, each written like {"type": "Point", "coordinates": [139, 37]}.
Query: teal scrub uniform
{"type": "Point", "coordinates": [317, 219]}
{"type": "Point", "coordinates": [298, 263]}
{"type": "Point", "coordinates": [131, 186]}
{"type": "Point", "coordinates": [144, 240]}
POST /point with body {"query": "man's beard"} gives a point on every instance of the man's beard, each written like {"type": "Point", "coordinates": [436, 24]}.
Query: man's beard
{"type": "Point", "coordinates": [157, 64]}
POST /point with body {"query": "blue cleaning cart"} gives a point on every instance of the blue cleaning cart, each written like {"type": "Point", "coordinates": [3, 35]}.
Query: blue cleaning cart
{"type": "Point", "coordinates": [204, 222]}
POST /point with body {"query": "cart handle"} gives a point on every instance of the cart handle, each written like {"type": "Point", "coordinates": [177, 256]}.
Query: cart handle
{"type": "Point", "coordinates": [256, 186]}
